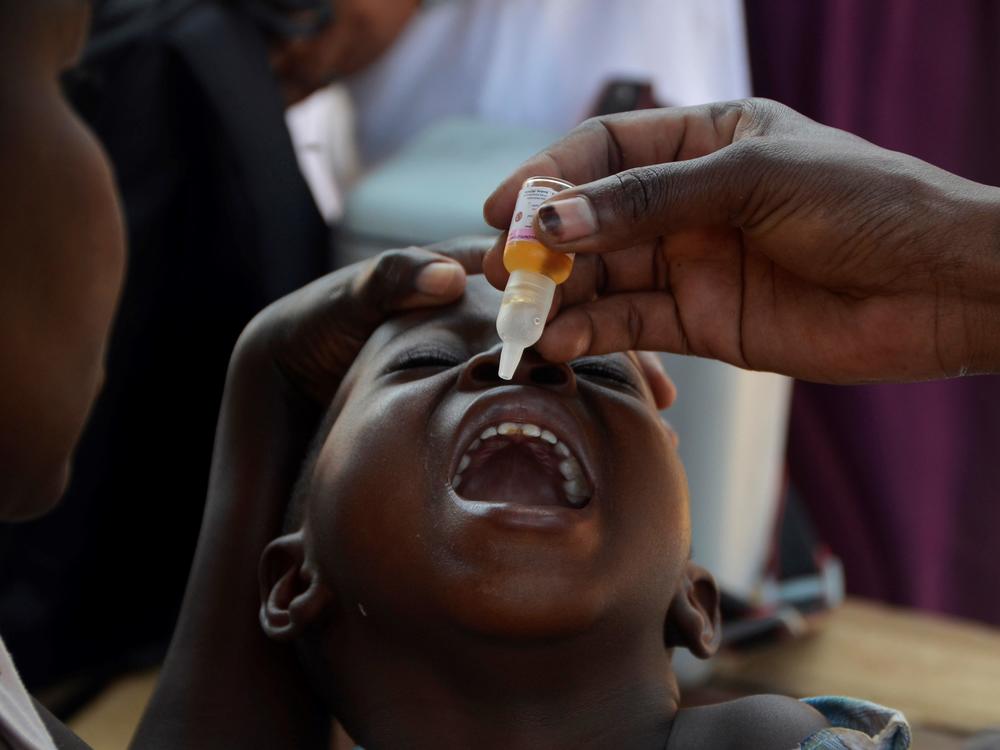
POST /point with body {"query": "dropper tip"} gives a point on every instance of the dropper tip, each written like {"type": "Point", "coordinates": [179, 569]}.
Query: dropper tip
{"type": "Point", "coordinates": [510, 357]}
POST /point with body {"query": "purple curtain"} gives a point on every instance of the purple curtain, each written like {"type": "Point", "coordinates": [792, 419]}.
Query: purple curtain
{"type": "Point", "coordinates": [903, 481]}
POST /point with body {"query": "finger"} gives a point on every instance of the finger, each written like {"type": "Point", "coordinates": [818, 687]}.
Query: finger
{"type": "Point", "coordinates": [591, 273]}
{"type": "Point", "coordinates": [398, 280]}
{"type": "Point", "coordinates": [604, 146]}
{"type": "Point", "coordinates": [712, 181]}
{"type": "Point", "coordinates": [640, 268]}
{"type": "Point", "coordinates": [663, 388]}
{"type": "Point", "coordinates": [638, 205]}
{"type": "Point", "coordinates": [469, 251]}
{"type": "Point", "coordinates": [493, 266]}
{"type": "Point", "coordinates": [621, 322]}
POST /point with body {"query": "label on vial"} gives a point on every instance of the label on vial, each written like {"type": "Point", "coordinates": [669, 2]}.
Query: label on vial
{"type": "Point", "coordinates": [528, 201]}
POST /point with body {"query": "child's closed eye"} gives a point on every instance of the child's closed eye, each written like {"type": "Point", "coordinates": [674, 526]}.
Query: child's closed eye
{"type": "Point", "coordinates": [426, 358]}
{"type": "Point", "coordinates": [607, 370]}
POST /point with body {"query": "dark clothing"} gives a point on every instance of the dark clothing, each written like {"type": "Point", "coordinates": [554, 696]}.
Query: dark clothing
{"type": "Point", "coordinates": [902, 480]}
{"type": "Point", "coordinates": [220, 223]}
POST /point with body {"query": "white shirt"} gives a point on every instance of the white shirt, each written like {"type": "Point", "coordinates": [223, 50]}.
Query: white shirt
{"type": "Point", "coordinates": [20, 724]}
{"type": "Point", "coordinates": [542, 63]}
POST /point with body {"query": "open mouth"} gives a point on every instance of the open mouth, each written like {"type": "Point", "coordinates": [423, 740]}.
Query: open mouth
{"type": "Point", "coordinates": [521, 463]}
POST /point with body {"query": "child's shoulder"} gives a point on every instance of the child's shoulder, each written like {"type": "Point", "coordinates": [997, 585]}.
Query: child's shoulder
{"type": "Point", "coordinates": [768, 722]}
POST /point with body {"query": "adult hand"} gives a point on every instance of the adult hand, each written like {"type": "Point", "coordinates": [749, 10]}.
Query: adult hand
{"type": "Point", "coordinates": [360, 32]}
{"type": "Point", "coordinates": [748, 233]}
{"type": "Point", "coordinates": [224, 684]}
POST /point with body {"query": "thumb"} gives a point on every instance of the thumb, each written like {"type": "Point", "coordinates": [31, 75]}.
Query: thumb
{"type": "Point", "coordinates": [640, 204]}
{"type": "Point", "coordinates": [399, 280]}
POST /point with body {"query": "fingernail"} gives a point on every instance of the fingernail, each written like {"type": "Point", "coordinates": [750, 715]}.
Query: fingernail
{"type": "Point", "coordinates": [438, 278]}
{"type": "Point", "coordinates": [568, 219]}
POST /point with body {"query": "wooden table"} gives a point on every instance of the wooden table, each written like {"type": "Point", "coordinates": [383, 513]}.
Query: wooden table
{"type": "Point", "coordinates": [943, 674]}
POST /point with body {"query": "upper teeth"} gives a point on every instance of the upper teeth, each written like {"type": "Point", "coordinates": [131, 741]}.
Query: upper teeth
{"type": "Point", "coordinates": [575, 483]}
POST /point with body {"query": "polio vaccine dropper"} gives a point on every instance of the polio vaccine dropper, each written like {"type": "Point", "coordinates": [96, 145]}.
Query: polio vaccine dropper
{"type": "Point", "coordinates": [534, 273]}
{"type": "Point", "coordinates": [525, 305]}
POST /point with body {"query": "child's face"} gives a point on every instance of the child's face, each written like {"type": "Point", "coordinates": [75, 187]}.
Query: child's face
{"type": "Point", "coordinates": [416, 510]}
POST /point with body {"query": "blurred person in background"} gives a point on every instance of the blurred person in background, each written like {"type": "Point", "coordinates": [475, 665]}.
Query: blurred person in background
{"type": "Point", "coordinates": [546, 64]}
{"type": "Point", "coordinates": [188, 98]}
{"type": "Point", "coordinates": [62, 260]}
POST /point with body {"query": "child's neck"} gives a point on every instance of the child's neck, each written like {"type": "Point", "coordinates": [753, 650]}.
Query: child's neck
{"type": "Point", "coordinates": [584, 692]}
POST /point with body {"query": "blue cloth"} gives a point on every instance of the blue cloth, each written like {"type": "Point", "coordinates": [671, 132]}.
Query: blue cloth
{"type": "Point", "coordinates": [854, 725]}
{"type": "Point", "coordinates": [857, 725]}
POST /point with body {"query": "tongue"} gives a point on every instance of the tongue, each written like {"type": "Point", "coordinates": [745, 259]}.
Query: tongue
{"type": "Point", "coordinates": [513, 474]}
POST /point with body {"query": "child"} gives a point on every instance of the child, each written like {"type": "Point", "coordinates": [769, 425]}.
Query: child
{"type": "Point", "coordinates": [472, 563]}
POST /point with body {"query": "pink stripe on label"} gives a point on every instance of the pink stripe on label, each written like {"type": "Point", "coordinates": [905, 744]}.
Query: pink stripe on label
{"type": "Point", "coordinates": [526, 233]}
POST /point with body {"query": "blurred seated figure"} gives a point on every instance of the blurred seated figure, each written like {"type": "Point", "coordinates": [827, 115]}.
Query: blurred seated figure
{"type": "Point", "coordinates": [188, 99]}
{"type": "Point", "coordinates": [545, 63]}
{"type": "Point", "coordinates": [529, 581]}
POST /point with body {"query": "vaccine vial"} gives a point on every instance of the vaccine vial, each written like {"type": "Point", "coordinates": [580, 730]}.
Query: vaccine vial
{"type": "Point", "coordinates": [534, 273]}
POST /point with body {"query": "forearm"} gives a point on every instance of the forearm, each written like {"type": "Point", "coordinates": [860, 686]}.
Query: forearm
{"type": "Point", "coordinates": [224, 684]}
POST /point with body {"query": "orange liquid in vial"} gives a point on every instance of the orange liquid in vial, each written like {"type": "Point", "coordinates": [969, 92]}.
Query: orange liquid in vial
{"type": "Point", "coordinates": [531, 255]}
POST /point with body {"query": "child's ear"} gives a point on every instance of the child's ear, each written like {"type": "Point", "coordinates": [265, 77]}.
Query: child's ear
{"type": "Point", "coordinates": [693, 620]}
{"type": "Point", "coordinates": [292, 597]}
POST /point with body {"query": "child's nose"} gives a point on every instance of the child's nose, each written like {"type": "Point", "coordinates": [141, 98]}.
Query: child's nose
{"type": "Point", "coordinates": [482, 371]}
